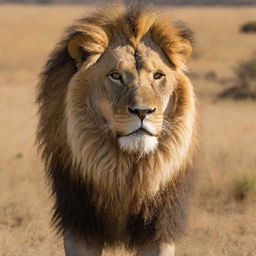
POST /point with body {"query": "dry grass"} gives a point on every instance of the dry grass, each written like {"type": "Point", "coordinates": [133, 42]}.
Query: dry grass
{"type": "Point", "coordinates": [220, 223]}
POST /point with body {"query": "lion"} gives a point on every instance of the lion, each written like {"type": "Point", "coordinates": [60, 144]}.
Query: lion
{"type": "Point", "coordinates": [117, 132]}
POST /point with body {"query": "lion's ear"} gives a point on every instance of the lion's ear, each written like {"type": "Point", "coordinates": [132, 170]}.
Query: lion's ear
{"type": "Point", "coordinates": [185, 49]}
{"type": "Point", "coordinates": [77, 49]}
{"type": "Point", "coordinates": [90, 40]}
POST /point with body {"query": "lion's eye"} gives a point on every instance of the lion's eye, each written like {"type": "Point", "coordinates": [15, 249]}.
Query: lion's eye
{"type": "Point", "coordinates": [158, 75]}
{"type": "Point", "coordinates": [115, 76]}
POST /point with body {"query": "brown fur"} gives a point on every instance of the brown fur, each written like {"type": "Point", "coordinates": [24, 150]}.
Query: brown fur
{"type": "Point", "coordinates": [111, 196]}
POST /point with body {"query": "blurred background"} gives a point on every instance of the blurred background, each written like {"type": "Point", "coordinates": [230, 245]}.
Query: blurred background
{"type": "Point", "coordinates": [223, 70]}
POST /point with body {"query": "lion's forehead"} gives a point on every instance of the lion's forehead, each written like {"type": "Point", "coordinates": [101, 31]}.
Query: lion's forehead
{"type": "Point", "coordinates": [137, 60]}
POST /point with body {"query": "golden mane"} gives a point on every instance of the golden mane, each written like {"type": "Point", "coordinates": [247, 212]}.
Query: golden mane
{"type": "Point", "coordinates": [109, 175]}
{"type": "Point", "coordinates": [114, 22]}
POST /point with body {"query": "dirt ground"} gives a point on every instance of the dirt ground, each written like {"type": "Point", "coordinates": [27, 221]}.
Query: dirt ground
{"type": "Point", "coordinates": [223, 208]}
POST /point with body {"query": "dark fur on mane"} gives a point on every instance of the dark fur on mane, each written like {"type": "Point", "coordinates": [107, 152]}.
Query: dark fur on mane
{"type": "Point", "coordinates": [159, 220]}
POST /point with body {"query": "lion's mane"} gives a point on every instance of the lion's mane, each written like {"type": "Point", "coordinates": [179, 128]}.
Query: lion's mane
{"type": "Point", "coordinates": [144, 196]}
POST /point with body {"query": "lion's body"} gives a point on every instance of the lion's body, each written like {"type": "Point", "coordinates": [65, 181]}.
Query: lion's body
{"type": "Point", "coordinates": [112, 188]}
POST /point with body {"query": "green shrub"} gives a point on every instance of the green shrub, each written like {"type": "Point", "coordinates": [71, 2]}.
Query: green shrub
{"type": "Point", "coordinates": [249, 27]}
{"type": "Point", "coordinates": [244, 186]}
{"type": "Point", "coordinates": [245, 81]}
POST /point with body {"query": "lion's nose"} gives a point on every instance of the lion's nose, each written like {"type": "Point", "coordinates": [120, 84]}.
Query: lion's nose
{"type": "Point", "coordinates": [141, 112]}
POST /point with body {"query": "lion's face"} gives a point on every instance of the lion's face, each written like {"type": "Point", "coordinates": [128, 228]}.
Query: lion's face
{"type": "Point", "coordinates": [132, 92]}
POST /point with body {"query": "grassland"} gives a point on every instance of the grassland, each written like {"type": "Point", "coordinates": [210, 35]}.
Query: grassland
{"type": "Point", "coordinates": [223, 208]}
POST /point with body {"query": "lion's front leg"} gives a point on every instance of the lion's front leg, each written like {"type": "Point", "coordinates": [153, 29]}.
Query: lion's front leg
{"type": "Point", "coordinates": [162, 250]}
{"type": "Point", "coordinates": [74, 247]}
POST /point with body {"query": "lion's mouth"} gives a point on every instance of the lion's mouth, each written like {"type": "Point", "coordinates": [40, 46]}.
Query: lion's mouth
{"type": "Point", "coordinates": [140, 140]}
{"type": "Point", "coordinates": [140, 131]}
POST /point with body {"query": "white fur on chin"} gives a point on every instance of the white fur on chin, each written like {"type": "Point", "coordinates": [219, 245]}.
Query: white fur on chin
{"type": "Point", "coordinates": [138, 143]}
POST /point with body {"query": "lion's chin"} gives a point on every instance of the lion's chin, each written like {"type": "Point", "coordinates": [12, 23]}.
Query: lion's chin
{"type": "Point", "coordinates": [138, 143]}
